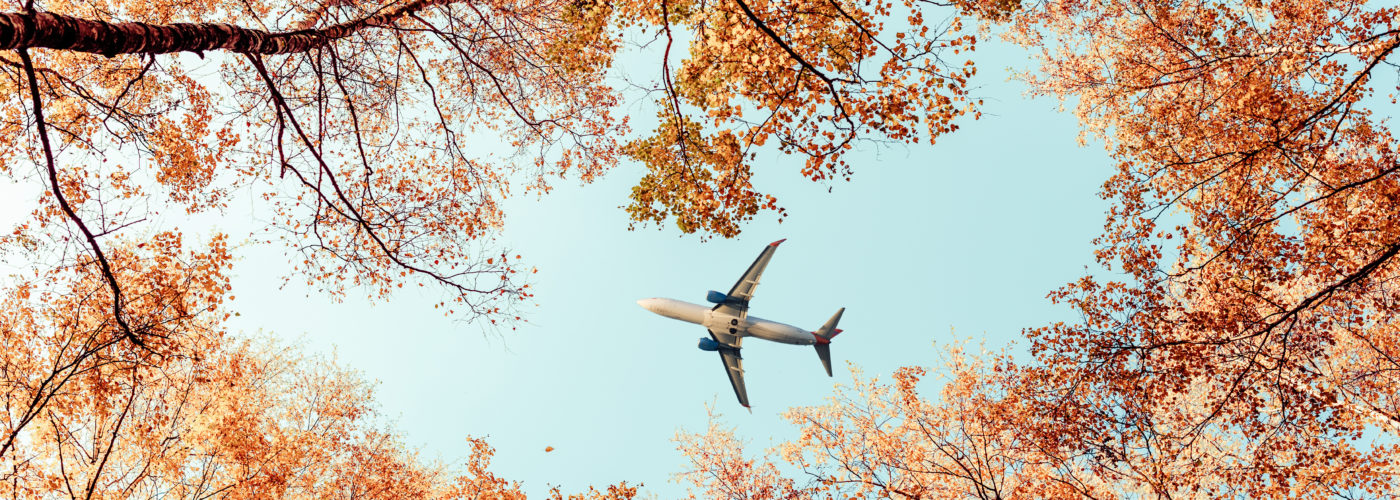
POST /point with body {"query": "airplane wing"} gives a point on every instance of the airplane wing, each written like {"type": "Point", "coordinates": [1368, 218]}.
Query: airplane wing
{"type": "Point", "coordinates": [743, 289]}
{"type": "Point", "coordinates": [733, 363]}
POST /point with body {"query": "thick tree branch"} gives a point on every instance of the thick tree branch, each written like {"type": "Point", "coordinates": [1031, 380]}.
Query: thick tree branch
{"type": "Point", "coordinates": [57, 31]}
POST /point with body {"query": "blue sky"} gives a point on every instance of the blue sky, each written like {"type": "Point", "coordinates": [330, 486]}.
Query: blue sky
{"type": "Point", "coordinates": [967, 235]}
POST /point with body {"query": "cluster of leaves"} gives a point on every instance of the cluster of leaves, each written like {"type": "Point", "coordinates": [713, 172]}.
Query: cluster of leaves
{"type": "Point", "coordinates": [815, 76]}
{"type": "Point", "coordinates": [1248, 148]}
{"type": "Point", "coordinates": [192, 411]}
{"type": "Point", "coordinates": [205, 416]}
{"type": "Point", "coordinates": [878, 440]}
{"type": "Point", "coordinates": [996, 429]}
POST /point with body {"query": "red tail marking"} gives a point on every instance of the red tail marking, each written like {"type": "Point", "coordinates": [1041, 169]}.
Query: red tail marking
{"type": "Point", "coordinates": [773, 244]}
{"type": "Point", "coordinates": [821, 340]}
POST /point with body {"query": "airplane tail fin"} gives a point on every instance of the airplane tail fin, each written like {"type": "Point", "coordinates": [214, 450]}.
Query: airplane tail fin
{"type": "Point", "coordinates": [824, 335]}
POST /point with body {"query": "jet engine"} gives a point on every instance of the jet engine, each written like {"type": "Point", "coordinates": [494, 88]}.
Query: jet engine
{"type": "Point", "coordinates": [708, 344]}
{"type": "Point", "coordinates": [716, 297]}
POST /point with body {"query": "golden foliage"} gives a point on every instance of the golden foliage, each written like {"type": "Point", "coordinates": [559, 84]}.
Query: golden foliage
{"type": "Point", "coordinates": [814, 77]}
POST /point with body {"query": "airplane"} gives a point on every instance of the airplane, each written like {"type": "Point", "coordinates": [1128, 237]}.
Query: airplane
{"type": "Point", "coordinates": [729, 322]}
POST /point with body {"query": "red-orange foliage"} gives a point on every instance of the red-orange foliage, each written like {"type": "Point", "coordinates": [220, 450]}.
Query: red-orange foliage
{"type": "Point", "coordinates": [886, 440]}
{"type": "Point", "coordinates": [1253, 339]}
{"type": "Point", "coordinates": [196, 413]}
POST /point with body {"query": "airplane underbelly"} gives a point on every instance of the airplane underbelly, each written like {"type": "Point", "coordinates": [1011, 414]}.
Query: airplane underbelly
{"type": "Point", "coordinates": [778, 332]}
{"type": "Point", "coordinates": [718, 322]}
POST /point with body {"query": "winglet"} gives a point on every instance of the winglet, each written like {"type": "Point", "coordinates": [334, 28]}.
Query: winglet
{"type": "Point", "coordinates": [773, 244]}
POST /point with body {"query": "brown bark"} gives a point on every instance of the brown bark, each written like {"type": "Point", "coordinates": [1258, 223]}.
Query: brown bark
{"type": "Point", "coordinates": [56, 31]}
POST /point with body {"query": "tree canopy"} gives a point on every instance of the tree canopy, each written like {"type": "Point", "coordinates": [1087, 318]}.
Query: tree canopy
{"type": "Point", "coordinates": [377, 141]}
{"type": "Point", "coordinates": [1246, 346]}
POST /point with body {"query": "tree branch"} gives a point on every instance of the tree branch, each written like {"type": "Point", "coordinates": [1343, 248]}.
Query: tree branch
{"type": "Point", "coordinates": [57, 31]}
{"type": "Point", "coordinates": [68, 209]}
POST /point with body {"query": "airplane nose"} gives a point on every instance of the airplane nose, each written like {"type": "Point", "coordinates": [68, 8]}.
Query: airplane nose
{"type": "Point", "coordinates": [648, 304]}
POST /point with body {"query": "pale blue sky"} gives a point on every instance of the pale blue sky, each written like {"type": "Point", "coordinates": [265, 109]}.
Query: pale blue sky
{"type": "Point", "coordinates": [969, 234]}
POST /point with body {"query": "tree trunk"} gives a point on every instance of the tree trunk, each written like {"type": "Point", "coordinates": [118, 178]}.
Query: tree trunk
{"type": "Point", "coordinates": [56, 31]}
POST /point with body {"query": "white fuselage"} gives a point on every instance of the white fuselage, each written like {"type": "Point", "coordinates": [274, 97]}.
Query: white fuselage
{"type": "Point", "coordinates": [750, 326]}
